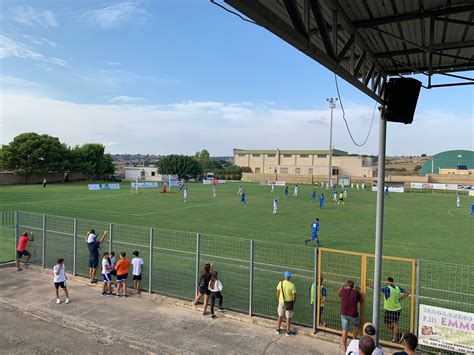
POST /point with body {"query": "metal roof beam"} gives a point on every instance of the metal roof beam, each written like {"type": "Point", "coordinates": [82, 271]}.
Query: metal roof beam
{"type": "Point", "coordinates": [466, 66]}
{"type": "Point", "coordinates": [412, 16]}
{"type": "Point", "coordinates": [323, 31]}
{"type": "Point", "coordinates": [434, 47]}
{"type": "Point", "coordinates": [453, 20]}
{"type": "Point", "coordinates": [295, 17]}
{"type": "Point", "coordinates": [346, 47]}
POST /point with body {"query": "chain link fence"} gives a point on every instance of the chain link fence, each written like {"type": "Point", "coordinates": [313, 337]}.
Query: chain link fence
{"type": "Point", "coordinates": [249, 270]}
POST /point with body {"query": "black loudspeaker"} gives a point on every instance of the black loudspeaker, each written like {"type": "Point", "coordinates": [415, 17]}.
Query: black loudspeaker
{"type": "Point", "coordinates": [401, 96]}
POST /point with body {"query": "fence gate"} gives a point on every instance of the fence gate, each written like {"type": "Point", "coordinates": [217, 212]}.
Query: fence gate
{"type": "Point", "coordinates": [335, 267]}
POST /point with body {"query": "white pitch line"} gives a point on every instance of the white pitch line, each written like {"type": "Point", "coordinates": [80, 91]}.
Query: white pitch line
{"type": "Point", "coordinates": [453, 209]}
{"type": "Point", "coordinates": [63, 200]}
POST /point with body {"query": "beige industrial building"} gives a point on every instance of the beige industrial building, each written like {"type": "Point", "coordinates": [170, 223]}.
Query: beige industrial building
{"type": "Point", "coordinates": [304, 162]}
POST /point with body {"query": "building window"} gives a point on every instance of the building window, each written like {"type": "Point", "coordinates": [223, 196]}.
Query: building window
{"type": "Point", "coordinates": [241, 155]}
{"type": "Point", "coordinates": [256, 155]}
{"type": "Point", "coordinates": [152, 173]}
{"type": "Point", "coordinates": [287, 155]}
{"type": "Point", "coordinates": [310, 171]}
{"type": "Point", "coordinates": [304, 156]}
{"type": "Point", "coordinates": [271, 155]}
{"type": "Point", "coordinates": [257, 170]}
{"type": "Point", "coordinates": [297, 171]}
{"type": "Point", "coordinates": [322, 155]}
{"type": "Point", "coordinates": [284, 170]}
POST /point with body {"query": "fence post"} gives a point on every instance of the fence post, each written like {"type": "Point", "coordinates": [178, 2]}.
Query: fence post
{"type": "Point", "coordinates": [315, 296]}
{"type": "Point", "coordinates": [110, 236]}
{"type": "Point", "coordinates": [74, 247]}
{"type": "Point", "coordinates": [43, 259]}
{"type": "Point", "coordinates": [251, 278]}
{"type": "Point", "coordinates": [417, 296]}
{"type": "Point", "coordinates": [150, 267]}
{"type": "Point", "coordinates": [198, 254]}
{"type": "Point", "coordinates": [17, 229]}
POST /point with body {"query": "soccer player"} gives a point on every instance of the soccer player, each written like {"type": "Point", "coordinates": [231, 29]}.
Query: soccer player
{"type": "Point", "coordinates": [314, 232]}
{"type": "Point", "coordinates": [313, 195]}
{"type": "Point", "coordinates": [21, 249]}
{"type": "Point", "coordinates": [241, 189]}
{"type": "Point", "coordinates": [345, 192]}
{"type": "Point", "coordinates": [275, 206]}
{"type": "Point", "coordinates": [386, 192]}
{"type": "Point", "coordinates": [44, 183]}
{"type": "Point", "coordinates": [341, 199]}
{"type": "Point", "coordinates": [242, 198]}
{"type": "Point", "coordinates": [321, 200]}
{"type": "Point", "coordinates": [458, 200]}
{"type": "Point", "coordinates": [286, 191]}
{"type": "Point", "coordinates": [137, 264]}
{"type": "Point", "coordinates": [106, 269]}
{"type": "Point", "coordinates": [295, 192]}
{"type": "Point", "coordinates": [185, 194]}
{"type": "Point", "coordinates": [59, 280]}
{"type": "Point", "coordinates": [214, 190]}
{"type": "Point", "coordinates": [334, 195]}
{"type": "Point", "coordinates": [273, 187]}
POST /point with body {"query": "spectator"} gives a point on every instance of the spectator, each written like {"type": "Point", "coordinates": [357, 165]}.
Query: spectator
{"type": "Point", "coordinates": [93, 245]}
{"type": "Point", "coordinates": [122, 266]}
{"type": "Point", "coordinates": [21, 249]}
{"type": "Point", "coordinates": [215, 286]}
{"type": "Point", "coordinates": [350, 296]}
{"type": "Point", "coordinates": [106, 269]}
{"type": "Point", "coordinates": [59, 280]}
{"type": "Point", "coordinates": [366, 345]}
{"type": "Point", "coordinates": [286, 295]}
{"type": "Point", "coordinates": [410, 342]}
{"type": "Point", "coordinates": [112, 261]}
{"type": "Point", "coordinates": [368, 329]}
{"type": "Point", "coordinates": [137, 270]}
{"type": "Point", "coordinates": [322, 301]}
{"type": "Point", "coordinates": [204, 280]}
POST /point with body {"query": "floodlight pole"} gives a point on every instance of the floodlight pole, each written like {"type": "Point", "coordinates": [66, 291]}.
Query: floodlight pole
{"type": "Point", "coordinates": [379, 223]}
{"type": "Point", "coordinates": [332, 106]}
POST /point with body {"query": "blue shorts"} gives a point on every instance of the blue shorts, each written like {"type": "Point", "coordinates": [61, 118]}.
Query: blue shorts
{"type": "Point", "coordinates": [347, 320]}
{"type": "Point", "coordinates": [122, 277]}
{"type": "Point", "coordinates": [313, 237]}
{"type": "Point", "coordinates": [107, 278]}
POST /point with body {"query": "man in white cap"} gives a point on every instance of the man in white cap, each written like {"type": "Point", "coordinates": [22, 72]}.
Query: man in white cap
{"type": "Point", "coordinates": [286, 295]}
{"type": "Point", "coordinates": [368, 329]}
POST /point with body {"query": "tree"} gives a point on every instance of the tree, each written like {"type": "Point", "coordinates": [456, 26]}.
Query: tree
{"type": "Point", "coordinates": [91, 160]}
{"type": "Point", "coordinates": [184, 166]}
{"type": "Point", "coordinates": [31, 153]}
{"type": "Point", "coordinates": [203, 158]}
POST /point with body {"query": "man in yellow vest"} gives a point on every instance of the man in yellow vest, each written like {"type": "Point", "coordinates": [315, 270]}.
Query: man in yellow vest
{"type": "Point", "coordinates": [391, 304]}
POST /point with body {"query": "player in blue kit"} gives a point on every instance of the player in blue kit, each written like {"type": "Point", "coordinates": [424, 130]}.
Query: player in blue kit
{"type": "Point", "coordinates": [242, 198]}
{"type": "Point", "coordinates": [314, 232]}
{"type": "Point", "coordinates": [286, 192]}
{"type": "Point", "coordinates": [313, 196]}
{"type": "Point", "coordinates": [321, 200]}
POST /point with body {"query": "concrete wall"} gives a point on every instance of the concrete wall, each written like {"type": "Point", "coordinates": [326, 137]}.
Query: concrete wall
{"type": "Point", "coordinates": [8, 178]}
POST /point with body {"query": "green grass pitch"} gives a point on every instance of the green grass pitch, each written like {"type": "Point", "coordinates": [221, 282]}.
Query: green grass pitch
{"type": "Point", "coordinates": [427, 226]}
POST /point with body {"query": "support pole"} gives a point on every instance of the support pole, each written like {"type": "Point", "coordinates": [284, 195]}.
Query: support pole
{"type": "Point", "coordinates": [150, 266]}
{"type": "Point", "coordinates": [111, 226]}
{"type": "Point", "coordinates": [417, 296]}
{"type": "Point", "coordinates": [74, 248]}
{"type": "Point", "coordinates": [17, 230]}
{"type": "Point", "coordinates": [315, 296]}
{"type": "Point", "coordinates": [251, 278]}
{"type": "Point", "coordinates": [379, 224]}
{"type": "Point", "coordinates": [43, 248]}
{"type": "Point", "coordinates": [198, 254]}
{"type": "Point", "coordinates": [332, 106]}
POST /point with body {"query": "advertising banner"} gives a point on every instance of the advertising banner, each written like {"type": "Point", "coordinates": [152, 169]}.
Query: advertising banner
{"type": "Point", "coordinates": [446, 329]}
{"type": "Point", "coordinates": [96, 187]}
{"type": "Point", "coordinates": [277, 183]}
{"type": "Point", "coordinates": [144, 184]}
{"type": "Point", "coordinates": [416, 185]}
{"type": "Point", "coordinates": [391, 188]}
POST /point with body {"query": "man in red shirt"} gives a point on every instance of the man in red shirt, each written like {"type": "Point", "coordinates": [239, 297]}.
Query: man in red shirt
{"type": "Point", "coordinates": [21, 249]}
{"type": "Point", "coordinates": [350, 296]}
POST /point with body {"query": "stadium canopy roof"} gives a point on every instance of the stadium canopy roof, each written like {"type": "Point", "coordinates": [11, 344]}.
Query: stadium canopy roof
{"type": "Point", "coordinates": [367, 41]}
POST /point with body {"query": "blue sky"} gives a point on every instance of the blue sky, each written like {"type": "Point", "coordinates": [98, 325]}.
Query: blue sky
{"type": "Point", "coordinates": [181, 75]}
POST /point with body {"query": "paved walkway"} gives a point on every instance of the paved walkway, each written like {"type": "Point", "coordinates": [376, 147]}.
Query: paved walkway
{"type": "Point", "coordinates": [32, 322]}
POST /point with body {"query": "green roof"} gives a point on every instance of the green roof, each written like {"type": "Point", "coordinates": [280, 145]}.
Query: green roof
{"type": "Point", "coordinates": [447, 160]}
{"type": "Point", "coordinates": [335, 152]}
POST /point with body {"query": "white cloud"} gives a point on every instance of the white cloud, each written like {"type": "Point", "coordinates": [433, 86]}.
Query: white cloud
{"type": "Point", "coordinates": [7, 80]}
{"type": "Point", "coordinates": [112, 63]}
{"type": "Point", "coordinates": [40, 41]}
{"type": "Point", "coordinates": [189, 126]}
{"type": "Point", "coordinates": [12, 48]}
{"type": "Point", "coordinates": [27, 15]}
{"type": "Point", "coordinates": [114, 15]}
{"type": "Point", "coordinates": [124, 99]}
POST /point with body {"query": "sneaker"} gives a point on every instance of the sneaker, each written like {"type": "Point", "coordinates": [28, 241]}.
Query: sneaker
{"type": "Point", "coordinates": [58, 301]}
{"type": "Point", "coordinates": [213, 316]}
{"type": "Point", "coordinates": [19, 269]}
{"type": "Point", "coordinates": [277, 331]}
{"type": "Point", "coordinates": [125, 296]}
{"type": "Point", "coordinates": [119, 296]}
{"type": "Point", "coordinates": [67, 300]}
{"type": "Point", "coordinates": [323, 324]}
{"type": "Point", "coordinates": [290, 333]}
{"type": "Point", "coordinates": [221, 308]}
{"type": "Point", "coordinates": [103, 293]}
{"type": "Point", "coordinates": [306, 242]}
{"type": "Point", "coordinates": [108, 294]}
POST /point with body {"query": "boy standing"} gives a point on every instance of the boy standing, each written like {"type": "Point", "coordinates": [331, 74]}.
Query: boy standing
{"type": "Point", "coordinates": [122, 266]}
{"type": "Point", "coordinates": [106, 276]}
{"type": "Point", "coordinates": [137, 270]}
{"type": "Point", "coordinates": [60, 278]}
{"type": "Point", "coordinates": [21, 249]}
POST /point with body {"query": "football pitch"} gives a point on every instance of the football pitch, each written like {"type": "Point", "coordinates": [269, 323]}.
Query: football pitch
{"type": "Point", "coordinates": [417, 225]}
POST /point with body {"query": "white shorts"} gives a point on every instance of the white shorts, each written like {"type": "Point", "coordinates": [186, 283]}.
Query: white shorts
{"type": "Point", "coordinates": [282, 311]}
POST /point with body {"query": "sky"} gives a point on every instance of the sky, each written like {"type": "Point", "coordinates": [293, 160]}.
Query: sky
{"type": "Point", "coordinates": [179, 76]}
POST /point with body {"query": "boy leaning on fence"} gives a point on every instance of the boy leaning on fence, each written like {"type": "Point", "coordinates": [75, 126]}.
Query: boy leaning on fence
{"type": "Point", "coordinates": [286, 295]}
